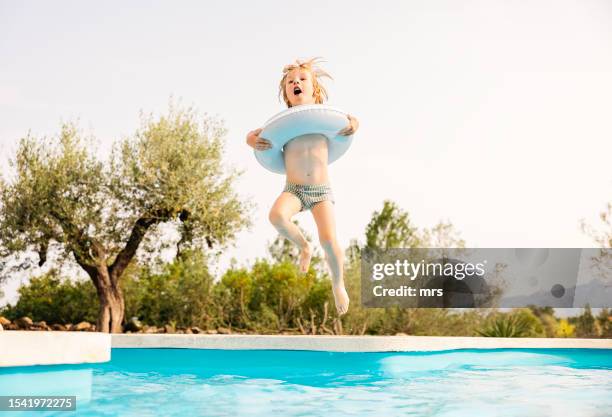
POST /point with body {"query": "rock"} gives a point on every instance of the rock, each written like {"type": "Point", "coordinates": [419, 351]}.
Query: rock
{"type": "Point", "coordinates": [58, 327]}
{"type": "Point", "coordinates": [133, 325]}
{"type": "Point", "coordinates": [39, 325]}
{"type": "Point", "coordinates": [93, 328]}
{"type": "Point", "coordinates": [211, 331]}
{"type": "Point", "coordinates": [169, 329]}
{"type": "Point", "coordinates": [188, 331]}
{"type": "Point", "coordinates": [82, 326]}
{"type": "Point", "coordinates": [24, 322]}
{"type": "Point", "coordinates": [11, 326]}
{"type": "Point", "coordinates": [224, 330]}
{"type": "Point", "coordinates": [150, 329]}
{"type": "Point", "coordinates": [1, 328]}
{"type": "Point", "coordinates": [4, 321]}
{"type": "Point", "coordinates": [180, 331]}
{"type": "Point", "coordinates": [401, 334]}
{"type": "Point", "coordinates": [196, 330]}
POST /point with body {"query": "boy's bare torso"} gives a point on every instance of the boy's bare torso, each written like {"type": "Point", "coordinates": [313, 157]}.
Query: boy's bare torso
{"type": "Point", "coordinates": [306, 159]}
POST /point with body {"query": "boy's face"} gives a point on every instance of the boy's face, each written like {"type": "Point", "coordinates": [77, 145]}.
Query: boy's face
{"type": "Point", "coordinates": [299, 88]}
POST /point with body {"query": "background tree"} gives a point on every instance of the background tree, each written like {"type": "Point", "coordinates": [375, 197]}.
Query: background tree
{"type": "Point", "coordinates": [602, 236]}
{"type": "Point", "coordinates": [604, 319]}
{"type": "Point", "coordinates": [98, 213]}
{"type": "Point", "coordinates": [586, 324]}
{"type": "Point", "coordinates": [391, 228]}
{"type": "Point", "coordinates": [55, 299]}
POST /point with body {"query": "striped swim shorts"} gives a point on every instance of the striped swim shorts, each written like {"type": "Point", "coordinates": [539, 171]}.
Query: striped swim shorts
{"type": "Point", "coordinates": [310, 194]}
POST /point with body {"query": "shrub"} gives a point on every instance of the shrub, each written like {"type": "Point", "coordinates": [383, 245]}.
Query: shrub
{"type": "Point", "coordinates": [565, 329]}
{"type": "Point", "coordinates": [586, 325]}
{"type": "Point", "coordinates": [55, 300]}
{"type": "Point", "coordinates": [506, 325]}
{"type": "Point", "coordinates": [604, 320]}
{"type": "Point", "coordinates": [182, 293]}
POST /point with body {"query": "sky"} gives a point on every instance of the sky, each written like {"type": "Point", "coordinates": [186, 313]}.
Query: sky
{"type": "Point", "coordinates": [493, 115]}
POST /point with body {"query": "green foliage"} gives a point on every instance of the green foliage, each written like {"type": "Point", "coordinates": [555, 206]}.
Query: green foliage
{"type": "Point", "coordinates": [534, 324]}
{"type": "Point", "coordinates": [389, 321]}
{"type": "Point", "coordinates": [269, 296]}
{"type": "Point", "coordinates": [58, 191]}
{"type": "Point", "coordinates": [565, 329]}
{"type": "Point", "coordinates": [55, 300]}
{"type": "Point", "coordinates": [519, 324]}
{"type": "Point", "coordinates": [546, 315]}
{"type": "Point", "coordinates": [604, 321]}
{"type": "Point", "coordinates": [391, 228]}
{"type": "Point", "coordinates": [181, 293]}
{"type": "Point", "coordinates": [170, 171]}
{"type": "Point", "coordinates": [586, 325]}
{"type": "Point", "coordinates": [272, 296]}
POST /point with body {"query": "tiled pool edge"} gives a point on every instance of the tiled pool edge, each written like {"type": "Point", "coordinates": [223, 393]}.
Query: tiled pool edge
{"type": "Point", "coordinates": [347, 343]}
{"type": "Point", "coordinates": [25, 348]}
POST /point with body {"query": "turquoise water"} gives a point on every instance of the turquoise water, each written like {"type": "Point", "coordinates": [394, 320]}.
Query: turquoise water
{"type": "Point", "coordinates": [189, 382]}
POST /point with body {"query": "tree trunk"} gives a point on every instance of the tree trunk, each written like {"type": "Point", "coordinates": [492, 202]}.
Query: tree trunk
{"type": "Point", "coordinates": [106, 278]}
{"type": "Point", "coordinates": [112, 309]}
{"type": "Point", "coordinates": [112, 305]}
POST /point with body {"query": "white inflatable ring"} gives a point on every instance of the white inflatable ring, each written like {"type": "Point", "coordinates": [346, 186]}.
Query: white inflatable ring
{"type": "Point", "coordinates": [302, 120]}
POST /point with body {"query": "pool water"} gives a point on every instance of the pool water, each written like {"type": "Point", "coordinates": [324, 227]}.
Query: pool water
{"type": "Point", "coordinates": [191, 382]}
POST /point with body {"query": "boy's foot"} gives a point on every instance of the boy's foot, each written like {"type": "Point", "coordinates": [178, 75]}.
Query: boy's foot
{"type": "Point", "coordinates": [305, 255]}
{"type": "Point", "coordinates": [341, 298]}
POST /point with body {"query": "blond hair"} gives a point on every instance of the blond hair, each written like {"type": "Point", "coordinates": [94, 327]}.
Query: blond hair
{"type": "Point", "coordinates": [320, 93]}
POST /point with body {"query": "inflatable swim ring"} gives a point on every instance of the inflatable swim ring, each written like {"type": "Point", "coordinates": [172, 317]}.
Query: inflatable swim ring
{"type": "Point", "coordinates": [302, 120]}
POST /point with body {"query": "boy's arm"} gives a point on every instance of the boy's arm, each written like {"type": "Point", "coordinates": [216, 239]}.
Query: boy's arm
{"type": "Point", "coordinates": [255, 142]}
{"type": "Point", "coordinates": [351, 128]}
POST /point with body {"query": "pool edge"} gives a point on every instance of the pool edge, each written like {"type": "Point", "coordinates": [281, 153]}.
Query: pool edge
{"type": "Point", "coordinates": [347, 343]}
{"type": "Point", "coordinates": [26, 348]}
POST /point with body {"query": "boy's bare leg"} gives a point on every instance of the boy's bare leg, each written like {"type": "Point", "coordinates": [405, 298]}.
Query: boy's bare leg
{"type": "Point", "coordinates": [323, 214]}
{"type": "Point", "coordinates": [283, 209]}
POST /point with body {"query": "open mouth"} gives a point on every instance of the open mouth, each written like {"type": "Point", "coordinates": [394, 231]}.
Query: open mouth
{"type": "Point", "coordinates": [297, 91]}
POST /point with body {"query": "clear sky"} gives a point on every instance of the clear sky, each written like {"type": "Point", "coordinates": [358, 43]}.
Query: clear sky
{"type": "Point", "coordinates": [494, 115]}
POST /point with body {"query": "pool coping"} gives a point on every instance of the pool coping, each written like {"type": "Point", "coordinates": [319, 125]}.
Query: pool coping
{"type": "Point", "coordinates": [347, 343]}
{"type": "Point", "coordinates": [26, 348]}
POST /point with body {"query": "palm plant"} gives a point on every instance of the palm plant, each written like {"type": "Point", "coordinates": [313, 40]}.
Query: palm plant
{"type": "Point", "coordinates": [506, 326]}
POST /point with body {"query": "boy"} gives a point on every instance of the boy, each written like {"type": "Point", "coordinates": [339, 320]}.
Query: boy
{"type": "Point", "coordinates": [307, 184]}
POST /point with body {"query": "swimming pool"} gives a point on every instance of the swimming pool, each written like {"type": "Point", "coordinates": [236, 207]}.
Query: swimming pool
{"type": "Point", "coordinates": [468, 382]}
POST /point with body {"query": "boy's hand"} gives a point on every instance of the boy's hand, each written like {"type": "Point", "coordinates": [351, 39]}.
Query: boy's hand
{"type": "Point", "coordinates": [255, 142]}
{"type": "Point", "coordinates": [351, 128]}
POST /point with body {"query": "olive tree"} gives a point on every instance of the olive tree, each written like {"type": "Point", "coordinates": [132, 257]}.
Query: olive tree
{"type": "Point", "coordinates": [97, 212]}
